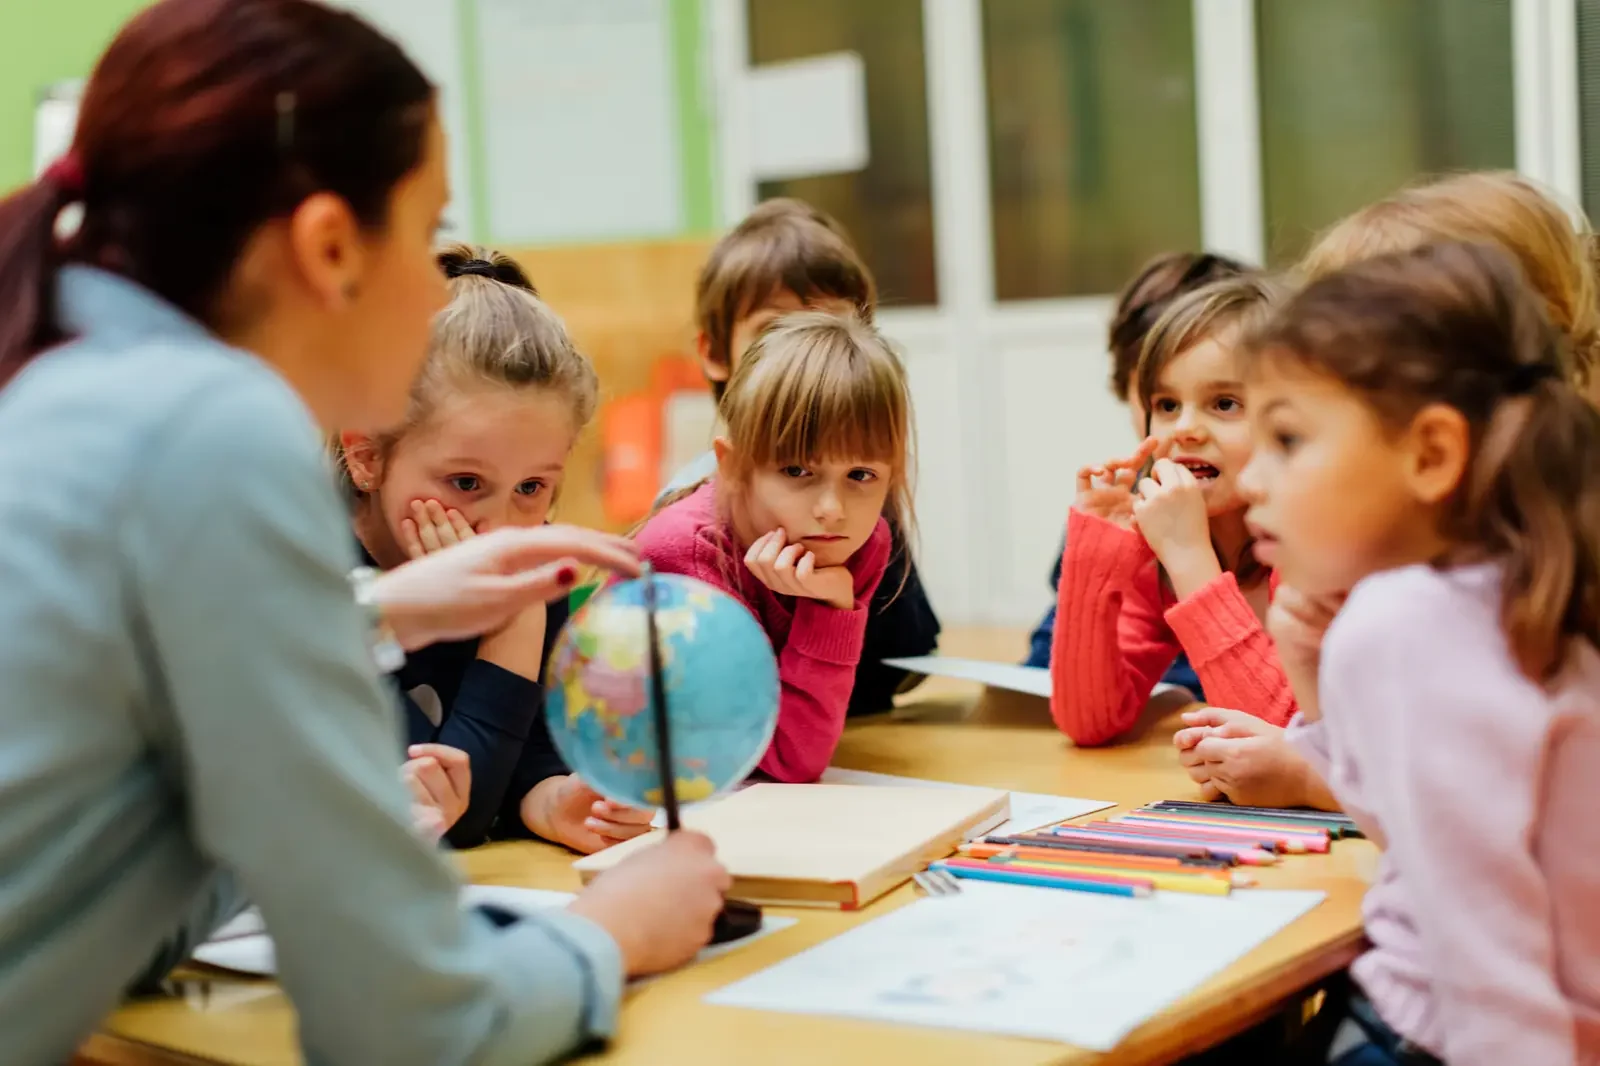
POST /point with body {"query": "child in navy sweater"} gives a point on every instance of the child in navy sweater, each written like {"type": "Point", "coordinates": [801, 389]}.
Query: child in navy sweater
{"type": "Point", "coordinates": [494, 415]}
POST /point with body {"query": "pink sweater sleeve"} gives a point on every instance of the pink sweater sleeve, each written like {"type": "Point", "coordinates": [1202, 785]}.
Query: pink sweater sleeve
{"type": "Point", "coordinates": [817, 671]}
{"type": "Point", "coordinates": [1111, 644]}
{"type": "Point", "coordinates": [1231, 652]}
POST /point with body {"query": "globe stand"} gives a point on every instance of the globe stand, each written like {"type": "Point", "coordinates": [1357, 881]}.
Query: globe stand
{"type": "Point", "coordinates": [738, 918]}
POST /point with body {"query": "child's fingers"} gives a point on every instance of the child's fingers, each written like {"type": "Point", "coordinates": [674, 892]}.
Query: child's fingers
{"type": "Point", "coordinates": [457, 765]}
{"type": "Point", "coordinates": [1211, 793]}
{"type": "Point", "coordinates": [441, 524]}
{"type": "Point", "coordinates": [774, 545]}
{"type": "Point", "coordinates": [805, 568]}
{"type": "Point", "coordinates": [754, 551]}
{"type": "Point", "coordinates": [426, 533]}
{"type": "Point", "coordinates": [1184, 739]}
{"type": "Point", "coordinates": [784, 563]}
{"type": "Point", "coordinates": [410, 543]}
{"type": "Point", "coordinates": [459, 523]}
{"type": "Point", "coordinates": [607, 811]}
{"type": "Point", "coordinates": [1086, 476]}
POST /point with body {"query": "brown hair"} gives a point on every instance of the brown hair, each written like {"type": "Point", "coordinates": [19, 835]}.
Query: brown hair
{"type": "Point", "coordinates": [203, 120]}
{"type": "Point", "coordinates": [495, 330]}
{"type": "Point", "coordinates": [1555, 249]}
{"type": "Point", "coordinates": [1150, 292]}
{"type": "Point", "coordinates": [1457, 324]}
{"type": "Point", "coordinates": [782, 246]}
{"type": "Point", "coordinates": [817, 387]}
{"type": "Point", "coordinates": [1234, 307]}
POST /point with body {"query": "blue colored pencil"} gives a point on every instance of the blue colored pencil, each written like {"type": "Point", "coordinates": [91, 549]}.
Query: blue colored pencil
{"type": "Point", "coordinates": [1013, 877]}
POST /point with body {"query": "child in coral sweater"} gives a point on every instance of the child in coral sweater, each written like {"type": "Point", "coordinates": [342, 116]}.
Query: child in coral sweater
{"type": "Point", "coordinates": [1158, 558]}
{"type": "Point", "coordinates": [793, 523]}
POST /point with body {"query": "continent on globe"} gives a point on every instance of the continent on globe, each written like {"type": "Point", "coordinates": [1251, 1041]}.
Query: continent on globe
{"type": "Point", "coordinates": [721, 690]}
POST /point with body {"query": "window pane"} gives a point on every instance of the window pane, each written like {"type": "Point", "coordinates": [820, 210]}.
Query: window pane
{"type": "Point", "coordinates": [1360, 97]}
{"type": "Point", "coordinates": [1589, 101]}
{"type": "Point", "coordinates": [1094, 165]}
{"type": "Point", "coordinates": [888, 207]}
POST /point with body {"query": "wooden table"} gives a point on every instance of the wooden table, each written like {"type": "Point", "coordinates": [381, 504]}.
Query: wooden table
{"type": "Point", "coordinates": [947, 731]}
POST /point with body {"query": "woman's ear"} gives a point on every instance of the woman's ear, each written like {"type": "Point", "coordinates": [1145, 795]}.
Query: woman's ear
{"type": "Point", "coordinates": [362, 460]}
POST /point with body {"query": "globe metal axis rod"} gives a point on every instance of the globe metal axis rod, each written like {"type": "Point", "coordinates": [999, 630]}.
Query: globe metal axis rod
{"type": "Point", "coordinates": [658, 704]}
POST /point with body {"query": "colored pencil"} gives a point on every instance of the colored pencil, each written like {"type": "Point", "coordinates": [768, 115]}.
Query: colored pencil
{"type": "Point", "coordinates": [1052, 842]}
{"type": "Point", "coordinates": [1132, 862]}
{"type": "Point", "coordinates": [1235, 837]}
{"type": "Point", "coordinates": [1083, 834]}
{"type": "Point", "coordinates": [1166, 880]}
{"type": "Point", "coordinates": [1310, 834]}
{"type": "Point", "coordinates": [1237, 821]}
{"type": "Point", "coordinates": [1106, 832]}
{"type": "Point", "coordinates": [1336, 829]}
{"type": "Point", "coordinates": [1272, 839]}
{"type": "Point", "coordinates": [1116, 877]}
{"type": "Point", "coordinates": [1009, 877]}
{"type": "Point", "coordinates": [1296, 813]}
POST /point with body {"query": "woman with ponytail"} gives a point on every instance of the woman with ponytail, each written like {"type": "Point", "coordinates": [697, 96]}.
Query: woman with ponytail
{"type": "Point", "coordinates": [193, 714]}
{"type": "Point", "coordinates": [1418, 443]}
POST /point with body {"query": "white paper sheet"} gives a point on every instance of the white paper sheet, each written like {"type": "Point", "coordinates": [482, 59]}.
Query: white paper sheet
{"type": "Point", "coordinates": [243, 946]}
{"type": "Point", "coordinates": [1029, 810]}
{"type": "Point", "coordinates": [1034, 680]}
{"type": "Point", "coordinates": [1033, 962]}
{"type": "Point", "coordinates": [808, 117]}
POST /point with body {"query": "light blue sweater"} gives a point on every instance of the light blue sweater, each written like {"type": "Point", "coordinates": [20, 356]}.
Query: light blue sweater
{"type": "Point", "coordinates": [187, 704]}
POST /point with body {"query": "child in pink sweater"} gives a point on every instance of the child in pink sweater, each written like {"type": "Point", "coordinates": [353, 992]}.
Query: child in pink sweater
{"type": "Point", "coordinates": [1158, 560]}
{"type": "Point", "coordinates": [1418, 443]}
{"type": "Point", "coordinates": [818, 425]}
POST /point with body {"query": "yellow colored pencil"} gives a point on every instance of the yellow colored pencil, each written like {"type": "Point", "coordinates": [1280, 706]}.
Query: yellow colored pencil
{"type": "Point", "coordinates": [1198, 884]}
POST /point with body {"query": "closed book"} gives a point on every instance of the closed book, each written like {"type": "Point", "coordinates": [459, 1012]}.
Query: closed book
{"type": "Point", "coordinates": [827, 845]}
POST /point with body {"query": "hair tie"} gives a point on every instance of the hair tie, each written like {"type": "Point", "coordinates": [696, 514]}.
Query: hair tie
{"type": "Point", "coordinates": [66, 174]}
{"type": "Point", "coordinates": [1525, 377]}
{"type": "Point", "coordinates": [481, 268]}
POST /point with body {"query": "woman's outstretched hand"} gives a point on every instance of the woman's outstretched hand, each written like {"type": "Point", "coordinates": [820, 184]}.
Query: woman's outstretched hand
{"type": "Point", "coordinates": [480, 584]}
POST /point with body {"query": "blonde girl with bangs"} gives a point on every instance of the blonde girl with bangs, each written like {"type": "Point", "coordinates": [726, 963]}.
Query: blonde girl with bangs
{"type": "Point", "coordinates": [813, 468]}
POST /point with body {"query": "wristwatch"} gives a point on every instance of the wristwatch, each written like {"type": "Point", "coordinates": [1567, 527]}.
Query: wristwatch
{"type": "Point", "coordinates": [387, 654]}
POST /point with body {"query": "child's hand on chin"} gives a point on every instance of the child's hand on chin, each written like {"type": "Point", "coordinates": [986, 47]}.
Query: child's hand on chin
{"type": "Point", "coordinates": [790, 570]}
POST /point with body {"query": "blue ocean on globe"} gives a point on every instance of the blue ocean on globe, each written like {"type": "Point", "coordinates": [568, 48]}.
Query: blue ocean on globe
{"type": "Point", "coordinates": [718, 671]}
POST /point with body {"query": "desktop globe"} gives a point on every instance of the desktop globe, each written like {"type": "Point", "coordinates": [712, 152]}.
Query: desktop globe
{"type": "Point", "coordinates": [718, 673]}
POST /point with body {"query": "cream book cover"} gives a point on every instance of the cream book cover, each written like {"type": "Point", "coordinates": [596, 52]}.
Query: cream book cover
{"type": "Point", "coordinates": [828, 845]}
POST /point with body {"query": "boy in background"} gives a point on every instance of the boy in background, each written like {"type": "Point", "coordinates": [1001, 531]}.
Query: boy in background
{"type": "Point", "coordinates": [788, 256]}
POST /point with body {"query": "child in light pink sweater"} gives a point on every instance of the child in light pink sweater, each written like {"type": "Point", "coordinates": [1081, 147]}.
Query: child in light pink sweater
{"type": "Point", "coordinates": [1418, 444]}
{"type": "Point", "coordinates": [815, 453]}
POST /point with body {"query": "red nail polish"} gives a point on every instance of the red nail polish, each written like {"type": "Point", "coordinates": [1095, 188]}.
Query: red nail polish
{"type": "Point", "coordinates": [567, 575]}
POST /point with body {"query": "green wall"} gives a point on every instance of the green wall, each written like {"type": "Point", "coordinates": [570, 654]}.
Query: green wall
{"type": "Point", "coordinates": [46, 41]}
{"type": "Point", "coordinates": [43, 42]}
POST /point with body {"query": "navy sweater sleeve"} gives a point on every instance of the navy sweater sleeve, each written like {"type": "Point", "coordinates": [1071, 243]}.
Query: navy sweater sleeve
{"type": "Point", "coordinates": [901, 624]}
{"type": "Point", "coordinates": [489, 717]}
{"type": "Point", "coordinates": [539, 759]}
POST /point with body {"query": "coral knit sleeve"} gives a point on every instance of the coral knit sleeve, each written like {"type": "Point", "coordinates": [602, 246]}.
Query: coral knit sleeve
{"type": "Point", "coordinates": [1231, 652]}
{"type": "Point", "coordinates": [1111, 642]}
